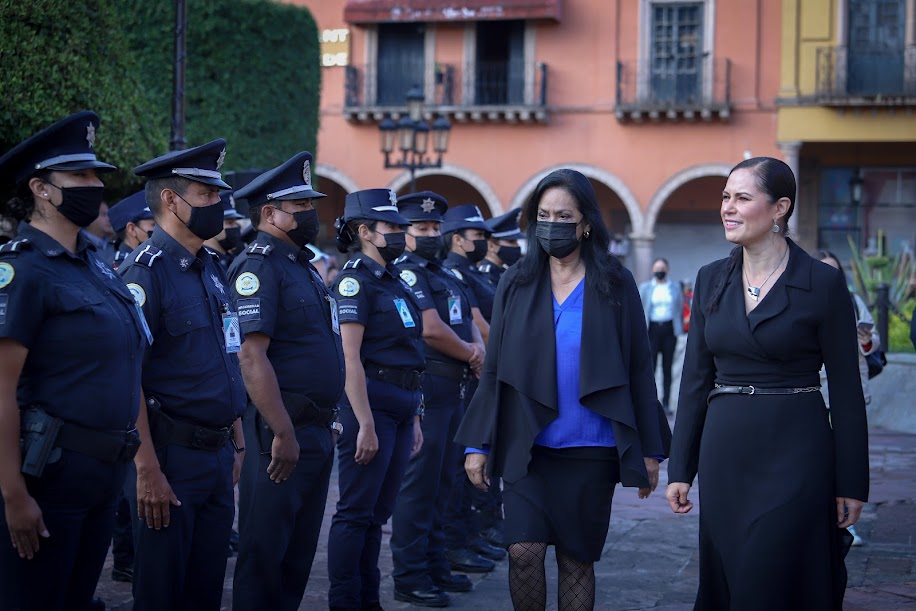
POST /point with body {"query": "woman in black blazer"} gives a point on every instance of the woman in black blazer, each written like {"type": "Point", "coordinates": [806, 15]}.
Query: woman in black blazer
{"type": "Point", "coordinates": [778, 482]}
{"type": "Point", "coordinates": [567, 405]}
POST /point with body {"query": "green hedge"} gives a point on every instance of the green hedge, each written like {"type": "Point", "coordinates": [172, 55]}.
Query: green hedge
{"type": "Point", "coordinates": [253, 76]}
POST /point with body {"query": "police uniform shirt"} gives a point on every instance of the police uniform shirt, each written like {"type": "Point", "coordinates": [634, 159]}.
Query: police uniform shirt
{"type": "Point", "coordinates": [376, 298]}
{"type": "Point", "coordinates": [436, 287]}
{"type": "Point", "coordinates": [224, 260]}
{"type": "Point", "coordinates": [121, 254]}
{"type": "Point", "coordinates": [476, 281]}
{"type": "Point", "coordinates": [277, 292]}
{"type": "Point", "coordinates": [493, 272]}
{"type": "Point", "coordinates": [185, 298]}
{"type": "Point", "coordinates": [81, 327]}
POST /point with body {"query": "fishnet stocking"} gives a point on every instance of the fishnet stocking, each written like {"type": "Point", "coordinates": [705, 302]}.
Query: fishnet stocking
{"type": "Point", "coordinates": [577, 584]}
{"type": "Point", "coordinates": [527, 580]}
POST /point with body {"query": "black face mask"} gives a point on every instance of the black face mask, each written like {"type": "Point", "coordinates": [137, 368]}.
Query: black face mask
{"type": "Point", "coordinates": [509, 255]}
{"type": "Point", "coordinates": [660, 275]}
{"type": "Point", "coordinates": [233, 238]}
{"type": "Point", "coordinates": [205, 222]}
{"type": "Point", "coordinates": [394, 246]}
{"type": "Point", "coordinates": [80, 205]}
{"type": "Point", "coordinates": [557, 239]}
{"type": "Point", "coordinates": [428, 247]}
{"type": "Point", "coordinates": [306, 227]}
{"type": "Point", "coordinates": [479, 252]}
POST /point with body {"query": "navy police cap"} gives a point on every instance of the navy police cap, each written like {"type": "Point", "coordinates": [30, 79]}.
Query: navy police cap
{"type": "Point", "coordinates": [131, 209]}
{"type": "Point", "coordinates": [200, 164]}
{"type": "Point", "coordinates": [505, 226]}
{"type": "Point", "coordinates": [374, 205]}
{"type": "Point", "coordinates": [422, 206]}
{"type": "Point", "coordinates": [464, 217]}
{"type": "Point", "coordinates": [227, 199]}
{"type": "Point", "coordinates": [67, 145]}
{"type": "Point", "coordinates": [292, 180]}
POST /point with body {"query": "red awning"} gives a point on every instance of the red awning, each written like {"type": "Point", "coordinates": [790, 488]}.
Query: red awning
{"type": "Point", "coordinates": [379, 11]}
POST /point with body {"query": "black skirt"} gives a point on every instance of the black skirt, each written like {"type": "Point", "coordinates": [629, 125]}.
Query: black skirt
{"type": "Point", "coordinates": [564, 500]}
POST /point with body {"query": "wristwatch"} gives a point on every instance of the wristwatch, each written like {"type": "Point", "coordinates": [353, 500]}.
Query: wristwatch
{"type": "Point", "coordinates": [336, 427]}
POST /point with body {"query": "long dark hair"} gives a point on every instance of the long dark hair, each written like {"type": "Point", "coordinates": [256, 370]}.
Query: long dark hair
{"type": "Point", "coordinates": [776, 180]}
{"type": "Point", "coordinates": [603, 271]}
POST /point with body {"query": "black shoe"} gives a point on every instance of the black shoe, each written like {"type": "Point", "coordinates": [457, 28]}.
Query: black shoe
{"type": "Point", "coordinates": [466, 561]}
{"type": "Point", "coordinates": [125, 574]}
{"type": "Point", "coordinates": [430, 597]}
{"type": "Point", "coordinates": [484, 549]}
{"type": "Point", "coordinates": [453, 583]}
{"type": "Point", "coordinates": [494, 536]}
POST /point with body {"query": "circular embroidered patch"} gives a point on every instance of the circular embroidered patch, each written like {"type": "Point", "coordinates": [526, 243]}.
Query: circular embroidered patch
{"type": "Point", "coordinates": [348, 287]}
{"type": "Point", "coordinates": [247, 284]}
{"type": "Point", "coordinates": [6, 274]}
{"type": "Point", "coordinates": [139, 294]}
{"type": "Point", "coordinates": [409, 277]}
{"type": "Point", "coordinates": [457, 274]}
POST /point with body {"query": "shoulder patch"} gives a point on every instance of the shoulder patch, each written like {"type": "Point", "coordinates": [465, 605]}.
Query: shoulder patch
{"type": "Point", "coordinates": [247, 284]}
{"type": "Point", "coordinates": [457, 273]}
{"type": "Point", "coordinates": [15, 245]}
{"type": "Point", "coordinates": [348, 287]}
{"type": "Point", "coordinates": [148, 255]}
{"type": "Point", "coordinates": [409, 277]}
{"type": "Point", "coordinates": [6, 274]}
{"type": "Point", "coordinates": [139, 294]}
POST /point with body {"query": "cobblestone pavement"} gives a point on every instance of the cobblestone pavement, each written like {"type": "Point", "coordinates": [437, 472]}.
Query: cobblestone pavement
{"type": "Point", "coordinates": [650, 559]}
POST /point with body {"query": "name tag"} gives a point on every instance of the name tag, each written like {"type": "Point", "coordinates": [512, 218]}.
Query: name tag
{"type": "Point", "coordinates": [454, 310]}
{"type": "Point", "coordinates": [232, 333]}
{"type": "Point", "coordinates": [406, 316]}
{"type": "Point", "coordinates": [335, 320]}
{"type": "Point", "coordinates": [149, 334]}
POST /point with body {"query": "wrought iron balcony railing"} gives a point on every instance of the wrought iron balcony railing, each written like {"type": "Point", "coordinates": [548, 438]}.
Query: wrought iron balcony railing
{"type": "Point", "coordinates": [876, 77]}
{"type": "Point", "coordinates": [675, 94]}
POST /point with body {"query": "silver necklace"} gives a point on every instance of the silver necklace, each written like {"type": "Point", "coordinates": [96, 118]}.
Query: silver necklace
{"type": "Point", "coordinates": [754, 291]}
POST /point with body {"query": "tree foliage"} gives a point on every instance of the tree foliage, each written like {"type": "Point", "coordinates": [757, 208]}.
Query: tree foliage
{"type": "Point", "coordinates": [253, 76]}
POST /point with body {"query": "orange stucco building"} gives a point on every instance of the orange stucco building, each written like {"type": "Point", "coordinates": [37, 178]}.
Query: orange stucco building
{"type": "Point", "coordinates": [653, 100]}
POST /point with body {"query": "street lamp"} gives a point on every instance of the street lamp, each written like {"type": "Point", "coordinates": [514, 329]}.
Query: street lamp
{"type": "Point", "coordinates": [855, 187]}
{"type": "Point", "coordinates": [411, 134]}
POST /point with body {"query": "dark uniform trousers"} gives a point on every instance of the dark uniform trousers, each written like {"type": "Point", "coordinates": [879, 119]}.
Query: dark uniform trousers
{"type": "Point", "coordinates": [77, 497]}
{"type": "Point", "coordinates": [458, 522]}
{"type": "Point", "coordinates": [276, 554]}
{"type": "Point", "coordinates": [663, 340]}
{"type": "Point", "coordinates": [417, 538]}
{"type": "Point", "coordinates": [368, 493]}
{"type": "Point", "coordinates": [182, 554]}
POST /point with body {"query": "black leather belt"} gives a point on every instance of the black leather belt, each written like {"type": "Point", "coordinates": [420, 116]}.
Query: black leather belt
{"type": "Point", "coordinates": [410, 379]}
{"type": "Point", "coordinates": [303, 411]}
{"type": "Point", "coordinates": [166, 429]}
{"type": "Point", "coordinates": [107, 446]}
{"type": "Point", "coordinates": [452, 371]}
{"type": "Point", "coordinates": [753, 390]}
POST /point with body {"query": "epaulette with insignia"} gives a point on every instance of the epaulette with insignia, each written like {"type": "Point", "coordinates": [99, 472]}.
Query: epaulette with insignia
{"type": "Point", "coordinates": [121, 256]}
{"type": "Point", "coordinates": [16, 245]}
{"type": "Point", "coordinates": [213, 254]}
{"type": "Point", "coordinates": [485, 268]}
{"type": "Point", "coordinates": [352, 264]}
{"type": "Point", "coordinates": [259, 249]}
{"type": "Point", "coordinates": [400, 260]}
{"type": "Point", "coordinates": [147, 255]}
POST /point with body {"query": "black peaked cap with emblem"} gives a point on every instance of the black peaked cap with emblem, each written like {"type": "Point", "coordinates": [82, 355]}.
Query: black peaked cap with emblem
{"type": "Point", "coordinates": [374, 205]}
{"type": "Point", "coordinates": [131, 209]}
{"type": "Point", "coordinates": [464, 217]}
{"type": "Point", "coordinates": [505, 226]}
{"type": "Point", "coordinates": [292, 180]}
{"type": "Point", "coordinates": [227, 199]}
{"type": "Point", "coordinates": [200, 164]}
{"type": "Point", "coordinates": [422, 206]}
{"type": "Point", "coordinates": [67, 145]}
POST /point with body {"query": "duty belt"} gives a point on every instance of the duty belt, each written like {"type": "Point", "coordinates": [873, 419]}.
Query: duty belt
{"type": "Point", "coordinates": [165, 429]}
{"type": "Point", "coordinates": [458, 372]}
{"type": "Point", "coordinates": [721, 389]}
{"type": "Point", "coordinates": [410, 379]}
{"type": "Point", "coordinates": [303, 411]}
{"type": "Point", "coordinates": [107, 446]}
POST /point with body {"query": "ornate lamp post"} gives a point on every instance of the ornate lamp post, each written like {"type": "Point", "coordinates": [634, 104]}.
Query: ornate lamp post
{"type": "Point", "coordinates": [411, 135]}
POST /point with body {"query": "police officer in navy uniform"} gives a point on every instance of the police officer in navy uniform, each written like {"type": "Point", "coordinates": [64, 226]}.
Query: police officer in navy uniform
{"type": "Point", "coordinates": [133, 224]}
{"type": "Point", "coordinates": [453, 348]}
{"type": "Point", "coordinates": [503, 250]}
{"type": "Point", "coordinates": [293, 364]}
{"type": "Point", "coordinates": [226, 244]}
{"type": "Point", "coordinates": [382, 331]}
{"type": "Point", "coordinates": [72, 342]}
{"type": "Point", "coordinates": [466, 240]}
{"type": "Point", "coordinates": [194, 394]}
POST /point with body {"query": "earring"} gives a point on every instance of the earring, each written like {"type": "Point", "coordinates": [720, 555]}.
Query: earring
{"type": "Point", "coordinates": [776, 228]}
{"type": "Point", "coordinates": [587, 233]}
{"type": "Point", "coordinates": [44, 194]}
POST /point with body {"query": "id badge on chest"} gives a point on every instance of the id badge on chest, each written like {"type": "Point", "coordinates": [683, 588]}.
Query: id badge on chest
{"type": "Point", "coordinates": [335, 321]}
{"type": "Point", "coordinates": [454, 311]}
{"type": "Point", "coordinates": [232, 332]}
{"type": "Point", "coordinates": [404, 311]}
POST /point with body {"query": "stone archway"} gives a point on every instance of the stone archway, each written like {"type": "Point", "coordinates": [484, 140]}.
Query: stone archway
{"type": "Point", "coordinates": [490, 199]}
{"type": "Point", "coordinates": [323, 170]}
{"type": "Point", "coordinates": [672, 184]}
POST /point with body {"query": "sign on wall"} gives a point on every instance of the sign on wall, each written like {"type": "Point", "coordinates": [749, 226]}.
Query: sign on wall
{"type": "Point", "coordinates": [335, 47]}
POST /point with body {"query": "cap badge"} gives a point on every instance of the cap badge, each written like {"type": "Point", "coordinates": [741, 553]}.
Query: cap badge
{"type": "Point", "coordinates": [307, 172]}
{"type": "Point", "coordinates": [221, 159]}
{"type": "Point", "coordinates": [428, 205]}
{"type": "Point", "coordinates": [392, 197]}
{"type": "Point", "coordinates": [90, 135]}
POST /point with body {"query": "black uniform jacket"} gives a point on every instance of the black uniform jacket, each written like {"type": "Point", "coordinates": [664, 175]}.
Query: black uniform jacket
{"type": "Point", "coordinates": [517, 396]}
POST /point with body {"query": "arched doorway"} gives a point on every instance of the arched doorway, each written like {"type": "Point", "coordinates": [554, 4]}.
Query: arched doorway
{"type": "Point", "coordinates": [485, 196]}
{"type": "Point", "coordinates": [455, 191]}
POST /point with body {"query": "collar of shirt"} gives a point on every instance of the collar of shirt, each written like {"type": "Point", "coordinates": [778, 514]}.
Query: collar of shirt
{"type": "Point", "coordinates": [96, 241]}
{"type": "Point", "coordinates": [181, 255]}
{"type": "Point", "coordinates": [374, 268]}
{"type": "Point", "coordinates": [463, 263]}
{"type": "Point", "coordinates": [420, 261]}
{"type": "Point", "coordinates": [48, 245]}
{"type": "Point", "coordinates": [283, 247]}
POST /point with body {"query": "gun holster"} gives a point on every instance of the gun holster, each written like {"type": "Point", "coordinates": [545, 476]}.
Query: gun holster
{"type": "Point", "coordinates": [37, 438]}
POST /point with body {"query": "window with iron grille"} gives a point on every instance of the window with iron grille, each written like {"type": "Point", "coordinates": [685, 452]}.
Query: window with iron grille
{"type": "Point", "coordinates": [875, 47]}
{"type": "Point", "coordinates": [676, 63]}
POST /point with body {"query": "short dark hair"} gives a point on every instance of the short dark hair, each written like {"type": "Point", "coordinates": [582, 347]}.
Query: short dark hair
{"type": "Point", "coordinates": [603, 271]}
{"type": "Point", "coordinates": [155, 186]}
{"type": "Point", "coordinates": [21, 206]}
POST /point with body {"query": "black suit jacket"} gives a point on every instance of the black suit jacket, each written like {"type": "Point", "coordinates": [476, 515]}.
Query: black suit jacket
{"type": "Point", "coordinates": [517, 395]}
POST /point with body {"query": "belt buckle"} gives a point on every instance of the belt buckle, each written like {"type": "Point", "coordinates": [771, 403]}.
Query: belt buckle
{"type": "Point", "coordinates": [753, 390]}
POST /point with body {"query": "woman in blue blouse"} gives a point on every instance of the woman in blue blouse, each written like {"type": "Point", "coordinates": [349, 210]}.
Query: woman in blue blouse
{"type": "Point", "coordinates": [563, 417]}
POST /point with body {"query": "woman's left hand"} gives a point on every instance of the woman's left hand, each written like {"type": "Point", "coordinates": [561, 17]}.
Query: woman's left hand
{"type": "Point", "coordinates": [652, 470]}
{"type": "Point", "coordinates": [848, 511]}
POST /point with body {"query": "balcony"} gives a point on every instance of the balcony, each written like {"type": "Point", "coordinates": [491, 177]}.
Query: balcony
{"type": "Point", "coordinates": [493, 92]}
{"type": "Point", "coordinates": [879, 77]}
{"type": "Point", "coordinates": [677, 95]}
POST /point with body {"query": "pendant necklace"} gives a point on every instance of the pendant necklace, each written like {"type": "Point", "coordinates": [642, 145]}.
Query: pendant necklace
{"type": "Point", "coordinates": [754, 291]}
